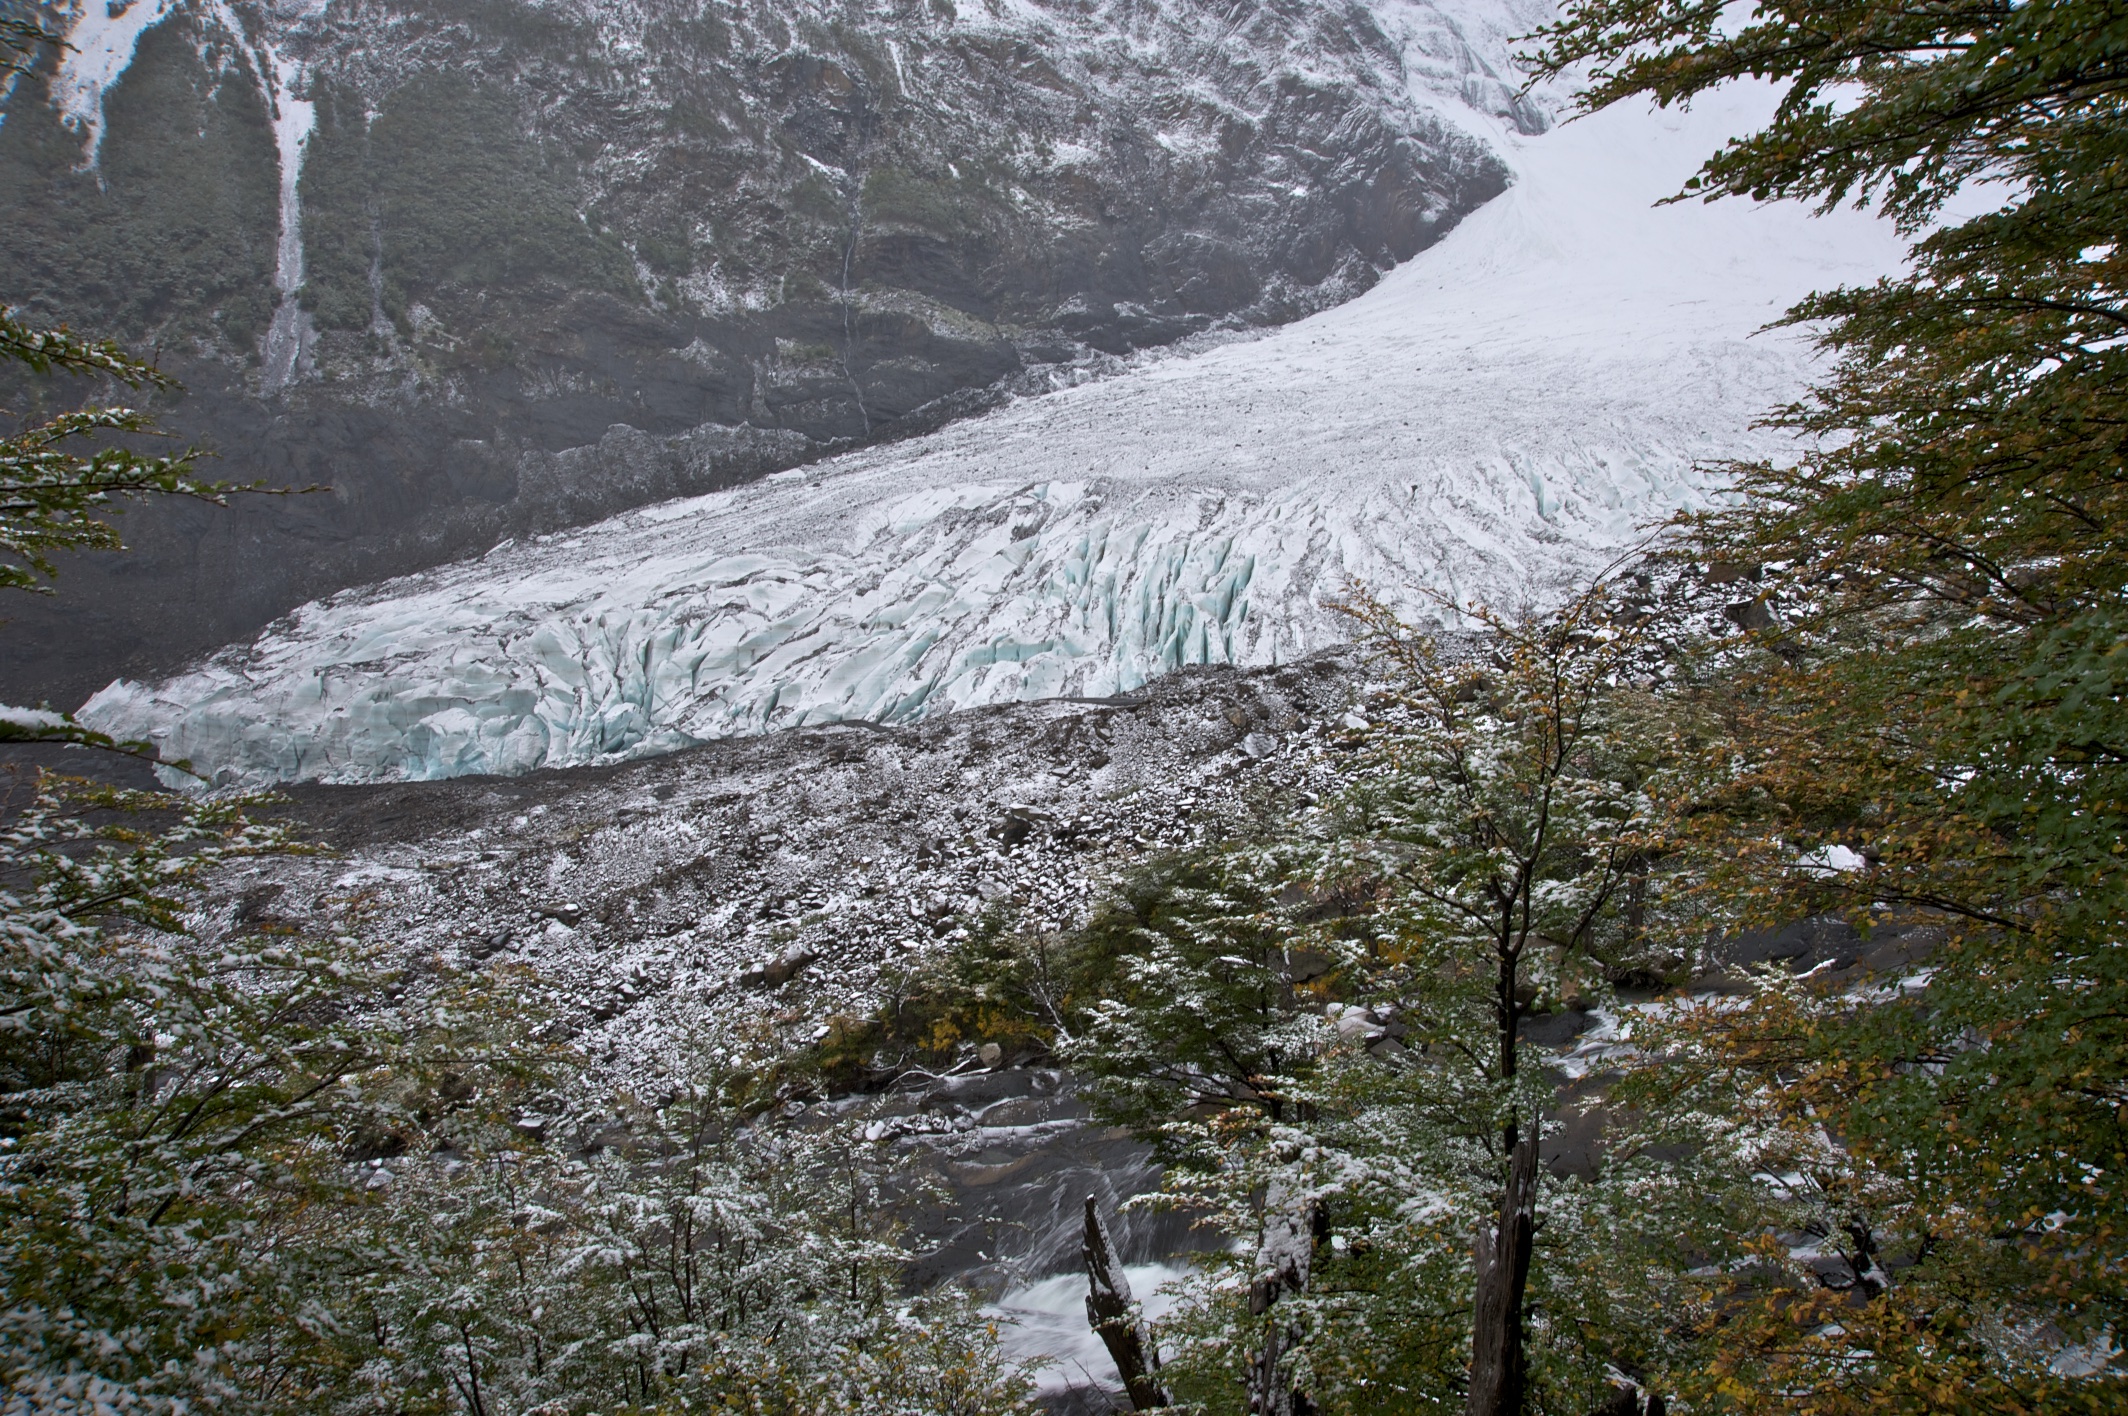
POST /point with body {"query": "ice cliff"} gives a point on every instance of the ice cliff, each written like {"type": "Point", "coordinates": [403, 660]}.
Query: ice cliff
{"type": "Point", "coordinates": [1498, 416]}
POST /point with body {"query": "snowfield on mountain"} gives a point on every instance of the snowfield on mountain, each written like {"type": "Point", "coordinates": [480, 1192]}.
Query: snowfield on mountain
{"type": "Point", "coordinates": [1502, 414]}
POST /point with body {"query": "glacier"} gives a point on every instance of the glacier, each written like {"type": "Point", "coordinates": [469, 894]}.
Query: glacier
{"type": "Point", "coordinates": [1498, 417]}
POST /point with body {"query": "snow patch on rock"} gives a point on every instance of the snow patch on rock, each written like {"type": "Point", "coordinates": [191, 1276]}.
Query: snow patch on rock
{"type": "Point", "coordinates": [101, 38]}
{"type": "Point", "coordinates": [293, 119]}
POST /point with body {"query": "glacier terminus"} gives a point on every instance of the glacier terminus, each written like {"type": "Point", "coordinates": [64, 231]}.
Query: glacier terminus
{"type": "Point", "coordinates": [1500, 415]}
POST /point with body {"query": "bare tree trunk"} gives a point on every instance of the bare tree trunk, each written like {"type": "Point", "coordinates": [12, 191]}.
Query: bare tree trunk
{"type": "Point", "coordinates": [1283, 1264]}
{"type": "Point", "coordinates": [1108, 1308]}
{"type": "Point", "coordinates": [1497, 1364]}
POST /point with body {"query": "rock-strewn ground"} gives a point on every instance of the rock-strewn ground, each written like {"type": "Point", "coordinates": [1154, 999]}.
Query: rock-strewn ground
{"type": "Point", "coordinates": [660, 902]}
{"type": "Point", "coordinates": [734, 898]}
{"type": "Point", "coordinates": [739, 897]}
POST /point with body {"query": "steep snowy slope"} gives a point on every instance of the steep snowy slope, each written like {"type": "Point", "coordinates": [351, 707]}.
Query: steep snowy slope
{"type": "Point", "coordinates": [1495, 418]}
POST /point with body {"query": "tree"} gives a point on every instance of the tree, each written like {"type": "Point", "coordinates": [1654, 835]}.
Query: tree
{"type": "Point", "coordinates": [53, 498]}
{"type": "Point", "coordinates": [703, 1259]}
{"type": "Point", "coordinates": [1508, 822]}
{"type": "Point", "coordinates": [253, 1163]}
{"type": "Point", "coordinates": [165, 1115]}
{"type": "Point", "coordinates": [1205, 997]}
{"type": "Point", "coordinates": [155, 1111]}
{"type": "Point", "coordinates": [1203, 994]}
{"type": "Point", "coordinates": [1936, 688]}
{"type": "Point", "coordinates": [1324, 1032]}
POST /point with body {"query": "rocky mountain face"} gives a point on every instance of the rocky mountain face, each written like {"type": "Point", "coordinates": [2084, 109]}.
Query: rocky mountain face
{"type": "Point", "coordinates": [478, 268]}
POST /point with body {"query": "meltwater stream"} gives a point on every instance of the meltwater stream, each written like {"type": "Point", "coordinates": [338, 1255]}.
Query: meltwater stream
{"type": "Point", "coordinates": [1045, 1329]}
{"type": "Point", "coordinates": [1018, 1153]}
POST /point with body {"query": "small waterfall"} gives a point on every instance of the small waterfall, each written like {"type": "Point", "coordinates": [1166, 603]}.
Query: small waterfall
{"type": "Point", "coordinates": [1020, 1161]}
{"type": "Point", "coordinates": [1042, 1313]}
{"type": "Point", "coordinates": [1043, 1326]}
{"type": "Point", "coordinates": [293, 119]}
{"type": "Point", "coordinates": [1052, 1220]}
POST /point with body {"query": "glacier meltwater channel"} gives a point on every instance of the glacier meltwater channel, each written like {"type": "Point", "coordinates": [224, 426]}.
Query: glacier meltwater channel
{"type": "Point", "coordinates": [1497, 417]}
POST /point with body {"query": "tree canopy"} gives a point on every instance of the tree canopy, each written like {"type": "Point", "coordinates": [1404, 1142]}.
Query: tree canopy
{"type": "Point", "coordinates": [1937, 691]}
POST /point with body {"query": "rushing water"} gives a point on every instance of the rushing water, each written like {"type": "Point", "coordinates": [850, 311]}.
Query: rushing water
{"type": "Point", "coordinates": [1017, 1155]}
{"type": "Point", "coordinates": [1045, 1329]}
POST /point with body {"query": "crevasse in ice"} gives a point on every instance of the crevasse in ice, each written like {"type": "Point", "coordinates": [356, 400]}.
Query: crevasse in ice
{"type": "Point", "coordinates": [1501, 415]}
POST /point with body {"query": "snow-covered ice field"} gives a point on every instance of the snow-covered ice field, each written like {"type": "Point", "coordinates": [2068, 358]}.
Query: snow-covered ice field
{"type": "Point", "coordinates": [1497, 417]}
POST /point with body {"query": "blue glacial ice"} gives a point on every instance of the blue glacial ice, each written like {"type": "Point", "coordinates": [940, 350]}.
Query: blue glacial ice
{"type": "Point", "coordinates": [1499, 416]}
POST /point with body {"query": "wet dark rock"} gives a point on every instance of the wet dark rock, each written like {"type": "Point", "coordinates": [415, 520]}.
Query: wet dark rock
{"type": "Point", "coordinates": [1307, 965]}
{"type": "Point", "coordinates": [776, 972]}
{"type": "Point", "coordinates": [1554, 1029]}
{"type": "Point", "coordinates": [1750, 614]}
{"type": "Point", "coordinates": [1798, 946]}
{"type": "Point", "coordinates": [492, 942]}
{"type": "Point", "coordinates": [253, 906]}
{"type": "Point", "coordinates": [788, 965]}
